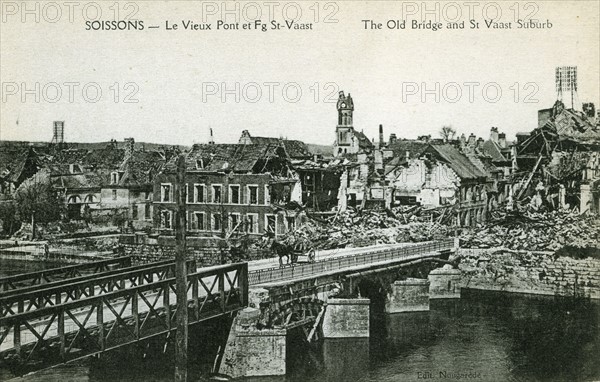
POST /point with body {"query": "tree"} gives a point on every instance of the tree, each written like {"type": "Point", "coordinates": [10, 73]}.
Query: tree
{"type": "Point", "coordinates": [8, 218]}
{"type": "Point", "coordinates": [37, 201]}
{"type": "Point", "coordinates": [447, 132]}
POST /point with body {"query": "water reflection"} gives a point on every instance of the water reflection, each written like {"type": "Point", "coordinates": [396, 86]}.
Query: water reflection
{"type": "Point", "coordinates": [495, 337]}
{"type": "Point", "coordinates": [10, 267]}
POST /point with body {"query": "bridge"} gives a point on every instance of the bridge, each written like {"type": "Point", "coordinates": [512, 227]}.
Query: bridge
{"type": "Point", "coordinates": [60, 315]}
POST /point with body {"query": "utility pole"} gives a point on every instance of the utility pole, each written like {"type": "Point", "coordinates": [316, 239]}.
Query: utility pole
{"type": "Point", "coordinates": [181, 338]}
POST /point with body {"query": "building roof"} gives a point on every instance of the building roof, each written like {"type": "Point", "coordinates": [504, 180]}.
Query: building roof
{"type": "Point", "coordinates": [90, 180]}
{"type": "Point", "coordinates": [140, 168]}
{"type": "Point", "coordinates": [463, 167]}
{"type": "Point", "coordinates": [494, 150]}
{"type": "Point", "coordinates": [363, 141]}
{"type": "Point", "coordinates": [240, 158]}
{"type": "Point", "coordinates": [414, 147]}
{"type": "Point", "coordinates": [14, 159]}
{"type": "Point", "coordinates": [295, 149]}
{"type": "Point", "coordinates": [107, 157]}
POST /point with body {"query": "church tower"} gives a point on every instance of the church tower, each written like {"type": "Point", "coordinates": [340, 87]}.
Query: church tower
{"type": "Point", "coordinates": [345, 141]}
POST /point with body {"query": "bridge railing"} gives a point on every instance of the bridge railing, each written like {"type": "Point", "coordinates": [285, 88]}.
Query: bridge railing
{"type": "Point", "coordinates": [262, 276]}
{"type": "Point", "coordinates": [40, 296]}
{"type": "Point", "coordinates": [88, 326]}
{"type": "Point", "coordinates": [56, 274]}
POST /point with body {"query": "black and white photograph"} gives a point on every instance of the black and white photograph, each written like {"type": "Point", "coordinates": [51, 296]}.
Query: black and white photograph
{"type": "Point", "coordinates": [299, 191]}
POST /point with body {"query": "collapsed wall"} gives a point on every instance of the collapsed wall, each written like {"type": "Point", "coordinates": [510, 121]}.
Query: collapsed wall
{"type": "Point", "coordinates": [543, 273]}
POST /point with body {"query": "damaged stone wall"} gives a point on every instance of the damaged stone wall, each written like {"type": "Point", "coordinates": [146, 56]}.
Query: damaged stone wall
{"type": "Point", "coordinates": [529, 272]}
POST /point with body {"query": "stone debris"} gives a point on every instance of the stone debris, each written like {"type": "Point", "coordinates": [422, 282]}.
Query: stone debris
{"type": "Point", "coordinates": [369, 227]}
{"type": "Point", "coordinates": [535, 231]}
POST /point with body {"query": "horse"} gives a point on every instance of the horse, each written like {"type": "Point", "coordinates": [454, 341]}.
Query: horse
{"type": "Point", "coordinates": [283, 250]}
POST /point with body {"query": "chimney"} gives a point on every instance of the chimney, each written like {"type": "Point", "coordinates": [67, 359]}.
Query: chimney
{"type": "Point", "coordinates": [380, 136]}
{"type": "Point", "coordinates": [462, 140]}
{"type": "Point", "coordinates": [407, 155]}
{"type": "Point", "coordinates": [393, 138]}
{"type": "Point", "coordinates": [502, 140]}
{"type": "Point", "coordinates": [211, 140]}
{"type": "Point", "coordinates": [480, 143]}
{"type": "Point", "coordinates": [472, 140]}
{"type": "Point", "coordinates": [494, 134]}
{"type": "Point", "coordinates": [129, 144]}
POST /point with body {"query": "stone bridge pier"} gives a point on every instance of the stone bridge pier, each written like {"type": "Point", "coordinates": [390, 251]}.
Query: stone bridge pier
{"type": "Point", "coordinates": [328, 307]}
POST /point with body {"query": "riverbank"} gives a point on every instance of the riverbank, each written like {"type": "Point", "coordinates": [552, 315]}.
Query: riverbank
{"type": "Point", "coordinates": [531, 272]}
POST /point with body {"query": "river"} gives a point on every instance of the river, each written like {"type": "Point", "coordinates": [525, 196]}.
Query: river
{"type": "Point", "coordinates": [485, 336]}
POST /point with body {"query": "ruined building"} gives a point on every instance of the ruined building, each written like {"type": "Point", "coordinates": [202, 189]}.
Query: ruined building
{"type": "Point", "coordinates": [231, 189]}
{"type": "Point", "coordinates": [556, 162]}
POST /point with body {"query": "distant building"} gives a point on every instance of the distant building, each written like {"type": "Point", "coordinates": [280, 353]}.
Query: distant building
{"type": "Point", "coordinates": [556, 161]}
{"type": "Point", "coordinates": [18, 162]}
{"type": "Point", "coordinates": [348, 140]}
{"type": "Point", "coordinates": [441, 176]}
{"type": "Point", "coordinates": [231, 189]}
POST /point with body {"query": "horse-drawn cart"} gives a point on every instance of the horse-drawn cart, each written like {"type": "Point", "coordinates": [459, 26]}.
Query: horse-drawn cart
{"type": "Point", "coordinates": [296, 249]}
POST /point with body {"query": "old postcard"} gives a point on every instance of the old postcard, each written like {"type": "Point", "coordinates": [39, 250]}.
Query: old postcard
{"type": "Point", "coordinates": [309, 190]}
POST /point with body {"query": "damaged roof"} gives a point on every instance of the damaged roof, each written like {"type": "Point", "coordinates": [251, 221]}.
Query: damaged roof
{"type": "Point", "coordinates": [14, 159]}
{"type": "Point", "coordinates": [240, 158]}
{"type": "Point", "coordinates": [140, 168]}
{"type": "Point", "coordinates": [493, 149]}
{"type": "Point", "coordinates": [294, 148]}
{"type": "Point", "coordinates": [413, 147]}
{"type": "Point", "coordinates": [363, 141]}
{"type": "Point", "coordinates": [457, 161]}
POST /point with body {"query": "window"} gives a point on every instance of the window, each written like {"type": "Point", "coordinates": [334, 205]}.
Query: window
{"type": "Point", "coordinates": [290, 222]}
{"type": "Point", "coordinates": [216, 222]}
{"type": "Point", "coordinates": [271, 223]}
{"type": "Point", "coordinates": [216, 193]}
{"type": "Point", "coordinates": [234, 220]}
{"type": "Point", "coordinates": [189, 194]}
{"type": "Point", "coordinates": [147, 211]}
{"type": "Point", "coordinates": [166, 219]}
{"type": "Point", "coordinates": [267, 195]}
{"type": "Point", "coordinates": [114, 178]}
{"type": "Point", "coordinates": [252, 223]}
{"type": "Point", "coordinates": [234, 194]}
{"type": "Point", "coordinates": [148, 195]}
{"type": "Point", "coordinates": [198, 222]}
{"type": "Point", "coordinates": [114, 194]}
{"type": "Point", "coordinates": [309, 183]}
{"type": "Point", "coordinates": [252, 194]}
{"type": "Point", "coordinates": [134, 211]}
{"type": "Point", "coordinates": [199, 164]}
{"type": "Point", "coordinates": [165, 192]}
{"type": "Point", "coordinates": [199, 193]}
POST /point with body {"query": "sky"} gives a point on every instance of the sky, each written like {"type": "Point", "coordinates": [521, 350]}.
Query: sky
{"type": "Point", "coordinates": [172, 86]}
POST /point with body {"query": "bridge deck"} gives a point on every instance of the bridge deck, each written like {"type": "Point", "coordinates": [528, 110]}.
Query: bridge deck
{"type": "Point", "coordinates": [80, 328]}
{"type": "Point", "coordinates": [63, 273]}
{"type": "Point", "coordinates": [70, 318]}
{"type": "Point", "coordinates": [352, 262]}
{"type": "Point", "coordinates": [42, 295]}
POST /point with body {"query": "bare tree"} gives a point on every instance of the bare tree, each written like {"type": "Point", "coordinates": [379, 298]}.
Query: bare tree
{"type": "Point", "coordinates": [37, 201]}
{"type": "Point", "coordinates": [447, 132]}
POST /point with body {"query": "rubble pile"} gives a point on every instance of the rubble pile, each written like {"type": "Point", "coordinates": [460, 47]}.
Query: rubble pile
{"type": "Point", "coordinates": [534, 231]}
{"type": "Point", "coordinates": [370, 227]}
